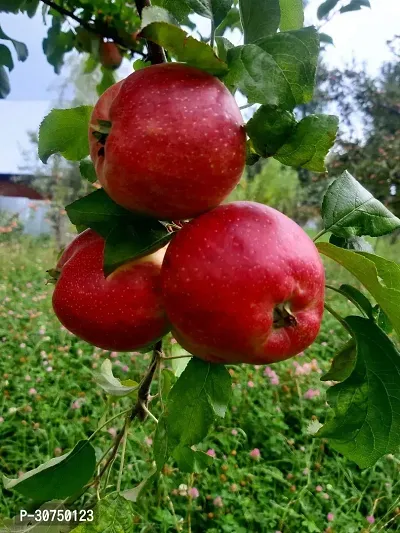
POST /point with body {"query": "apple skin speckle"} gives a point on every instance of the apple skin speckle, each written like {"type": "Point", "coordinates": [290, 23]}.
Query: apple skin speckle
{"type": "Point", "coordinates": [224, 274]}
{"type": "Point", "coordinates": [177, 144]}
{"type": "Point", "coordinates": [120, 312]}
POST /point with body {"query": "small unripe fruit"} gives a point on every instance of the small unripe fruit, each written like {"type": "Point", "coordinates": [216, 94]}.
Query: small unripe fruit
{"type": "Point", "coordinates": [110, 55]}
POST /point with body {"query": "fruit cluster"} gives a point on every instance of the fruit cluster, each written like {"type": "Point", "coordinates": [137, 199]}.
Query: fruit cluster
{"type": "Point", "coordinates": [240, 282]}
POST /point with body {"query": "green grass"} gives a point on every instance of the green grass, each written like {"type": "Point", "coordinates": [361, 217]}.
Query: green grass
{"type": "Point", "coordinates": [295, 484]}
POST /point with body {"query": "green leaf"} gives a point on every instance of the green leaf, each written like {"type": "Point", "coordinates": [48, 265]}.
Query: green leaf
{"type": "Point", "coordinates": [259, 18]}
{"type": "Point", "coordinates": [58, 478]}
{"type": "Point", "coordinates": [180, 363]}
{"type": "Point", "coordinates": [309, 143]}
{"type": "Point", "coordinates": [180, 9]}
{"type": "Point", "coordinates": [97, 211]}
{"type": "Point", "coordinates": [128, 236]}
{"type": "Point", "coordinates": [132, 239]}
{"type": "Point", "coordinates": [201, 393]}
{"type": "Point", "coordinates": [177, 42]}
{"type": "Point", "coordinates": [4, 83]}
{"type": "Point", "coordinates": [168, 379]}
{"type": "Point", "coordinates": [91, 64]}
{"type": "Point", "coordinates": [110, 384]}
{"type": "Point", "coordinates": [87, 170]}
{"type": "Point", "coordinates": [359, 244]}
{"type": "Point", "coordinates": [191, 460]}
{"type": "Point", "coordinates": [139, 64]}
{"type": "Point", "coordinates": [355, 5]}
{"type": "Point", "coordinates": [269, 128]}
{"type": "Point", "coordinates": [348, 209]}
{"type": "Point", "coordinates": [292, 14]}
{"type": "Point", "coordinates": [10, 6]}
{"type": "Point", "coordinates": [223, 46]}
{"type": "Point", "coordinates": [378, 275]}
{"type": "Point", "coordinates": [277, 70]}
{"type": "Point", "coordinates": [219, 10]}
{"type": "Point", "coordinates": [20, 48]}
{"type": "Point", "coordinates": [382, 319]}
{"type": "Point", "coordinates": [342, 364]}
{"type": "Point", "coordinates": [366, 420]}
{"type": "Point", "coordinates": [251, 156]}
{"type": "Point", "coordinates": [65, 131]}
{"type": "Point", "coordinates": [132, 495]}
{"type": "Point", "coordinates": [325, 8]}
{"type": "Point", "coordinates": [231, 21]}
{"type": "Point", "coordinates": [112, 514]}
{"type": "Point", "coordinates": [57, 44]}
{"type": "Point", "coordinates": [6, 57]}
{"type": "Point", "coordinates": [107, 79]}
{"type": "Point", "coordinates": [30, 7]}
{"type": "Point", "coordinates": [325, 38]}
{"type": "Point", "coordinates": [356, 296]}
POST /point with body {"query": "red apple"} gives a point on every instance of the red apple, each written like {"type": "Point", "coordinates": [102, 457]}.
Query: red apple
{"type": "Point", "coordinates": [120, 312]}
{"type": "Point", "coordinates": [110, 55]}
{"type": "Point", "coordinates": [176, 145]}
{"type": "Point", "coordinates": [243, 284]}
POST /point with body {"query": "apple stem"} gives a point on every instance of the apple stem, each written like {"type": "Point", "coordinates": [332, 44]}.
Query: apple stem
{"type": "Point", "coordinates": [156, 53]}
{"type": "Point", "coordinates": [338, 317]}
{"type": "Point", "coordinates": [139, 410]}
{"type": "Point", "coordinates": [318, 235]}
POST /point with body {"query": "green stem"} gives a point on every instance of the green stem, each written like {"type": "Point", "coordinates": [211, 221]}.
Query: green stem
{"type": "Point", "coordinates": [212, 36]}
{"type": "Point", "coordinates": [121, 466]}
{"type": "Point", "coordinates": [348, 298]}
{"type": "Point", "coordinates": [107, 422]}
{"type": "Point", "coordinates": [338, 317]}
{"type": "Point", "coordinates": [176, 357]}
{"type": "Point", "coordinates": [318, 235]}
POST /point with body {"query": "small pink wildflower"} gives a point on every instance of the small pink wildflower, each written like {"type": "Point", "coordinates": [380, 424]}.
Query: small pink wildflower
{"type": "Point", "coordinates": [112, 432]}
{"type": "Point", "coordinates": [311, 393]}
{"type": "Point", "coordinates": [1, 419]}
{"type": "Point", "coordinates": [234, 432]}
{"type": "Point", "coordinates": [32, 391]}
{"type": "Point", "coordinates": [148, 441]}
{"type": "Point", "coordinates": [49, 369]}
{"type": "Point", "coordinates": [318, 488]}
{"type": "Point", "coordinates": [125, 368]}
{"type": "Point", "coordinates": [255, 454]}
{"type": "Point", "coordinates": [218, 502]}
{"type": "Point", "coordinates": [325, 496]}
{"type": "Point", "coordinates": [330, 517]}
{"type": "Point", "coordinates": [250, 384]}
{"type": "Point", "coordinates": [193, 492]}
{"type": "Point", "coordinates": [114, 355]}
{"type": "Point", "coordinates": [370, 519]}
{"type": "Point", "coordinates": [211, 453]}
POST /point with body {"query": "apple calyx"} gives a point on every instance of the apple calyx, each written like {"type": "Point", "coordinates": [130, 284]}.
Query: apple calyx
{"type": "Point", "coordinates": [53, 275]}
{"type": "Point", "coordinates": [101, 131]}
{"type": "Point", "coordinates": [283, 316]}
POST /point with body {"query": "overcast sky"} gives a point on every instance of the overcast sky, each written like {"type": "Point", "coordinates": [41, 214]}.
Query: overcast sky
{"type": "Point", "coordinates": [361, 35]}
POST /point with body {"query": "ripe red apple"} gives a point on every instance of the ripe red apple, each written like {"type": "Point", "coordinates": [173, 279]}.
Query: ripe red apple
{"type": "Point", "coordinates": [120, 312]}
{"type": "Point", "coordinates": [176, 145]}
{"type": "Point", "coordinates": [110, 55]}
{"type": "Point", "coordinates": [243, 284]}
